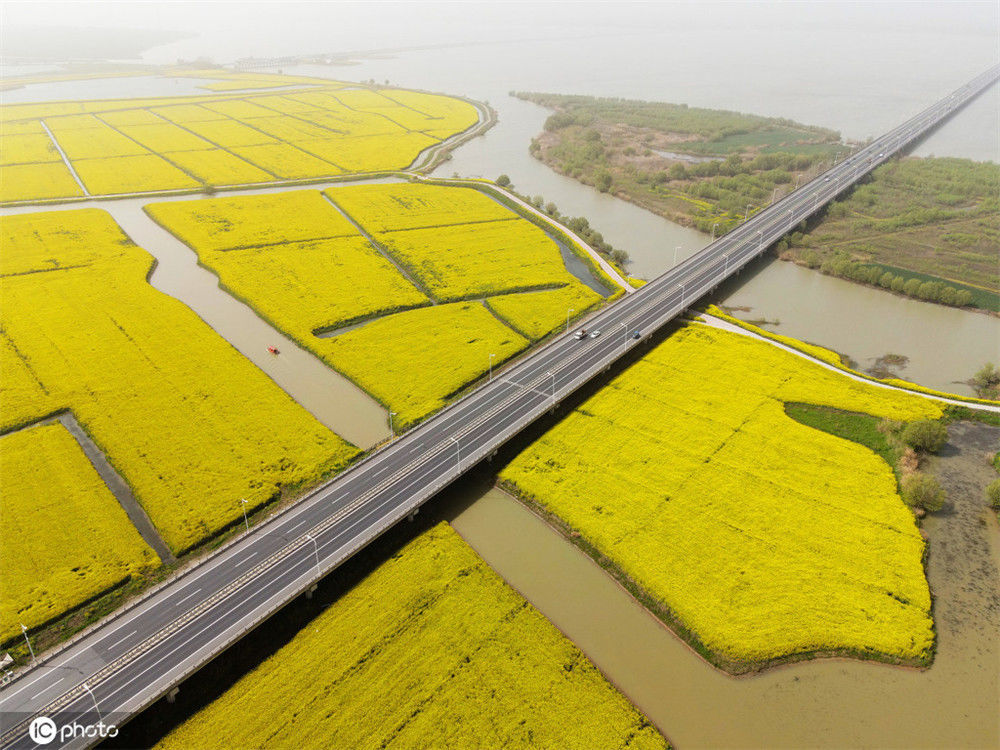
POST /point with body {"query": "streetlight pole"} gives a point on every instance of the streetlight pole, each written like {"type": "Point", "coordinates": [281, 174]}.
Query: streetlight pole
{"type": "Point", "coordinates": [567, 318]}
{"type": "Point", "coordinates": [458, 452]}
{"type": "Point", "coordinates": [491, 366]}
{"type": "Point", "coordinates": [246, 520]}
{"type": "Point", "coordinates": [27, 640]}
{"type": "Point", "coordinates": [774, 193]}
{"type": "Point", "coordinates": [553, 376]}
{"type": "Point", "coordinates": [681, 285]}
{"type": "Point", "coordinates": [392, 428]}
{"type": "Point", "coordinates": [87, 688]}
{"type": "Point", "coordinates": [676, 250]}
{"type": "Point", "coordinates": [747, 214]}
{"type": "Point", "coordinates": [713, 230]}
{"type": "Point", "coordinates": [315, 550]}
{"type": "Point", "coordinates": [624, 336]}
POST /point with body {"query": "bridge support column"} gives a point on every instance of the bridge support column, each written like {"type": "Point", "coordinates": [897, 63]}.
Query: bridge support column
{"type": "Point", "coordinates": [411, 516]}
{"type": "Point", "coordinates": [172, 695]}
{"type": "Point", "coordinates": [310, 591]}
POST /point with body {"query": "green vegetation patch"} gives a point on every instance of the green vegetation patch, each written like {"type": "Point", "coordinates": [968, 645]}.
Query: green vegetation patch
{"type": "Point", "coordinates": [933, 220]}
{"type": "Point", "coordinates": [861, 428]}
{"type": "Point", "coordinates": [701, 167]}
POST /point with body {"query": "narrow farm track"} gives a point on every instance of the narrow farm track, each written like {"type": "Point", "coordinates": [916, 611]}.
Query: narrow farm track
{"type": "Point", "coordinates": [117, 669]}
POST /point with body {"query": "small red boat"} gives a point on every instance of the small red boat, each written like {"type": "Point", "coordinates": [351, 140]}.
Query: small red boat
{"type": "Point", "coordinates": [273, 349]}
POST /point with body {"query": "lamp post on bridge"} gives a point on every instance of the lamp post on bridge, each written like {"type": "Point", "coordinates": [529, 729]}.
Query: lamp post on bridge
{"type": "Point", "coordinates": [567, 318]}
{"type": "Point", "coordinates": [676, 249]}
{"type": "Point", "coordinates": [96, 707]}
{"type": "Point", "coordinates": [746, 214]}
{"type": "Point", "coordinates": [246, 521]}
{"type": "Point", "coordinates": [553, 376]}
{"type": "Point", "coordinates": [458, 452]}
{"type": "Point", "coordinates": [312, 539]}
{"type": "Point", "coordinates": [392, 428]}
{"type": "Point", "coordinates": [27, 640]}
{"type": "Point", "coordinates": [491, 366]}
{"type": "Point", "coordinates": [713, 230]}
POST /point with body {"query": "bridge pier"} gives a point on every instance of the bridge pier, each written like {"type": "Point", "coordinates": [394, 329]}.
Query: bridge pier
{"type": "Point", "coordinates": [411, 516]}
{"type": "Point", "coordinates": [311, 590]}
{"type": "Point", "coordinates": [172, 695]}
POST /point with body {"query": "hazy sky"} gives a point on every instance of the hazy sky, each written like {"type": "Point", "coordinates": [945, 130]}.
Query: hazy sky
{"type": "Point", "coordinates": [339, 26]}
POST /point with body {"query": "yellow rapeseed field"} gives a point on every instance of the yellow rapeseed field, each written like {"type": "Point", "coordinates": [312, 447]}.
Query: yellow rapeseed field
{"type": "Point", "coordinates": [321, 284]}
{"type": "Point", "coordinates": [761, 536]}
{"type": "Point", "coordinates": [414, 205]}
{"type": "Point", "coordinates": [414, 361]}
{"type": "Point", "coordinates": [316, 132]}
{"type": "Point", "coordinates": [218, 167]}
{"type": "Point", "coordinates": [252, 220]}
{"type": "Point", "coordinates": [536, 314]}
{"type": "Point", "coordinates": [98, 142]}
{"type": "Point", "coordinates": [25, 182]}
{"type": "Point", "coordinates": [477, 249]}
{"type": "Point", "coordinates": [27, 149]}
{"type": "Point", "coordinates": [165, 137]}
{"type": "Point", "coordinates": [431, 650]}
{"type": "Point", "coordinates": [476, 260]}
{"type": "Point", "coordinates": [190, 423]}
{"type": "Point", "coordinates": [65, 537]}
{"type": "Point", "coordinates": [128, 174]}
{"type": "Point", "coordinates": [305, 268]}
{"type": "Point", "coordinates": [370, 153]}
{"type": "Point", "coordinates": [286, 161]}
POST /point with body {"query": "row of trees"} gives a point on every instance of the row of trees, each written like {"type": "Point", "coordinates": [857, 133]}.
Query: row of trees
{"type": "Point", "coordinates": [843, 266]}
{"type": "Point", "coordinates": [578, 224]}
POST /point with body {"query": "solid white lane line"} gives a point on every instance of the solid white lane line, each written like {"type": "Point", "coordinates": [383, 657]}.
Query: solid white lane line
{"type": "Point", "coordinates": [181, 601]}
{"type": "Point", "coordinates": [43, 690]}
{"type": "Point", "coordinates": [25, 687]}
{"type": "Point", "coordinates": [121, 640]}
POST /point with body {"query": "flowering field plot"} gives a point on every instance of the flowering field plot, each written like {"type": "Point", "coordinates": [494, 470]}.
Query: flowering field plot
{"type": "Point", "coordinates": [224, 80]}
{"type": "Point", "coordinates": [759, 537]}
{"type": "Point", "coordinates": [252, 220]}
{"type": "Point", "coordinates": [293, 257]}
{"type": "Point", "coordinates": [149, 145]}
{"type": "Point", "coordinates": [409, 205]}
{"type": "Point", "coordinates": [303, 266]}
{"type": "Point", "coordinates": [23, 182]}
{"type": "Point", "coordinates": [432, 649]}
{"type": "Point", "coordinates": [190, 423]}
{"type": "Point", "coordinates": [481, 249]}
{"type": "Point", "coordinates": [536, 314]}
{"type": "Point", "coordinates": [66, 538]}
{"type": "Point", "coordinates": [415, 360]}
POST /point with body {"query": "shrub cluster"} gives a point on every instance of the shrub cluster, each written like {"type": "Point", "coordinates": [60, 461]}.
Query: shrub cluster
{"type": "Point", "coordinates": [843, 266]}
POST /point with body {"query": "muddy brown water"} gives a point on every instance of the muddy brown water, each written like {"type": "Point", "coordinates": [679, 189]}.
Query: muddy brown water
{"type": "Point", "coordinates": [831, 703]}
